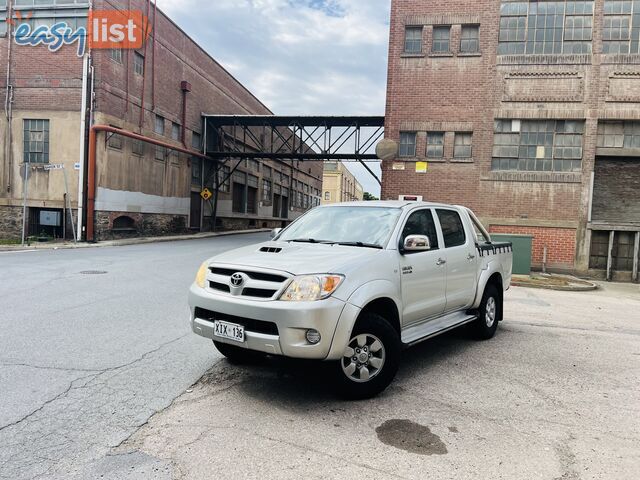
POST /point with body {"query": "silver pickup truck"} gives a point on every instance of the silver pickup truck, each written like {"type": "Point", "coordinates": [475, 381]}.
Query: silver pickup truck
{"type": "Point", "coordinates": [354, 284]}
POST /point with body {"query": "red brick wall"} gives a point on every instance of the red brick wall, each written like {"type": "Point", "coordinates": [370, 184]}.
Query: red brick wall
{"type": "Point", "coordinates": [560, 243]}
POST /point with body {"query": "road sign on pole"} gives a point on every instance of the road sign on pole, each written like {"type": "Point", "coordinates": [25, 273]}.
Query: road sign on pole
{"type": "Point", "coordinates": [206, 194]}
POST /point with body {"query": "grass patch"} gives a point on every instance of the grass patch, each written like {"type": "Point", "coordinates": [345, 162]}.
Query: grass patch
{"type": "Point", "coordinates": [10, 241]}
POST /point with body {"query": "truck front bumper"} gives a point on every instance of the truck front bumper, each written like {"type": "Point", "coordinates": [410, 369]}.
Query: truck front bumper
{"type": "Point", "coordinates": [333, 318]}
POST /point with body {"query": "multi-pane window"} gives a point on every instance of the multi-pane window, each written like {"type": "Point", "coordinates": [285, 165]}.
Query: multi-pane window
{"type": "Point", "coordinates": [35, 13]}
{"type": "Point", "coordinates": [407, 144]}
{"type": "Point", "coordinates": [267, 171]}
{"type": "Point", "coordinates": [175, 131]}
{"type": "Point", "coordinates": [513, 27]}
{"type": "Point", "coordinates": [462, 145]}
{"type": "Point", "coordinates": [138, 63]}
{"type": "Point", "coordinates": [159, 153]}
{"type": "Point", "coordinates": [196, 141]}
{"type": "Point", "coordinates": [36, 141]}
{"type": "Point", "coordinates": [621, 26]}
{"type": "Point", "coordinates": [470, 39]}
{"type": "Point", "coordinates": [158, 125]}
{"type": "Point", "coordinates": [619, 135]}
{"type": "Point", "coordinates": [546, 27]}
{"type": "Point", "coordinates": [538, 145]}
{"type": "Point", "coordinates": [3, 17]}
{"type": "Point", "coordinates": [116, 54]}
{"type": "Point", "coordinates": [327, 196]}
{"type": "Point", "coordinates": [115, 140]}
{"type": "Point", "coordinates": [137, 147]}
{"type": "Point", "coordinates": [441, 39]}
{"type": "Point", "coordinates": [253, 165]}
{"type": "Point", "coordinates": [413, 40]}
{"type": "Point", "coordinates": [223, 178]}
{"type": "Point", "coordinates": [266, 191]}
{"type": "Point", "coordinates": [435, 144]}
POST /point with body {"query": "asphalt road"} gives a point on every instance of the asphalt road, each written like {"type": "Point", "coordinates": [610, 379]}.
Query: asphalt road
{"type": "Point", "coordinates": [92, 343]}
{"type": "Point", "coordinates": [554, 396]}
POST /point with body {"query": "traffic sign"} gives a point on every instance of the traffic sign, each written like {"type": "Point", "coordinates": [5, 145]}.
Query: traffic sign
{"type": "Point", "coordinates": [206, 194]}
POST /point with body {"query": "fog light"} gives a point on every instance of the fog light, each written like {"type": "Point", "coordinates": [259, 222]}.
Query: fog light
{"type": "Point", "coordinates": [313, 336]}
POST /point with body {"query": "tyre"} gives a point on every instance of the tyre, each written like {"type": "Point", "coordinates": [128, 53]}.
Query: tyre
{"type": "Point", "coordinates": [489, 314]}
{"type": "Point", "coordinates": [238, 355]}
{"type": "Point", "coordinates": [370, 360]}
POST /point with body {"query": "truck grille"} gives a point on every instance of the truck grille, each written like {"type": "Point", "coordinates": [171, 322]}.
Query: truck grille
{"type": "Point", "coordinates": [257, 284]}
{"type": "Point", "coordinates": [250, 325]}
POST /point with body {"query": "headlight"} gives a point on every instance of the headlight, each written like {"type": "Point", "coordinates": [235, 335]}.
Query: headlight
{"type": "Point", "coordinates": [201, 276]}
{"type": "Point", "coordinates": [311, 287]}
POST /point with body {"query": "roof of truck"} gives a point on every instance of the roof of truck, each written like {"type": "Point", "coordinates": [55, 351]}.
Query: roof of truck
{"type": "Point", "coordinates": [387, 204]}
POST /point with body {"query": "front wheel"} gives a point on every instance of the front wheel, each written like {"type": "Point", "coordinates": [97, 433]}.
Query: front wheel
{"type": "Point", "coordinates": [370, 360]}
{"type": "Point", "coordinates": [488, 314]}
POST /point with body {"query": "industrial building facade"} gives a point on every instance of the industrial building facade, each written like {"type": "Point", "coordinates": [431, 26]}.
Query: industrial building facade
{"type": "Point", "coordinates": [528, 112]}
{"type": "Point", "coordinates": [339, 184]}
{"type": "Point", "coordinates": [159, 91]}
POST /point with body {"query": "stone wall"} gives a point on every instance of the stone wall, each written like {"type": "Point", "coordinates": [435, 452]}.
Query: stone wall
{"type": "Point", "coordinates": [142, 225]}
{"type": "Point", "coordinates": [10, 223]}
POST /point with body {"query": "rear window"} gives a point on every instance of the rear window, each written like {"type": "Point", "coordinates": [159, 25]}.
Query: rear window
{"type": "Point", "coordinates": [452, 228]}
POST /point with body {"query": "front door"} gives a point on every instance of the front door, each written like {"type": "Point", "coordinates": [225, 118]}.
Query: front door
{"type": "Point", "coordinates": [461, 257]}
{"type": "Point", "coordinates": [423, 274]}
{"type": "Point", "coordinates": [195, 215]}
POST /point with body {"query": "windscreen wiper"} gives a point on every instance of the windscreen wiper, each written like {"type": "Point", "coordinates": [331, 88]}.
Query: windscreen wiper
{"type": "Point", "coordinates": [307, 240]}
{"type": "Point", "coordinates": [359, 244]}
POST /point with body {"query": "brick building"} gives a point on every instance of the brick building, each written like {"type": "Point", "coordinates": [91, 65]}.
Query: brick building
{"type": "Point", "coordinates": [339, 184]}
{"type": "Point", "coordinates": [141, 189]}
{"type": "Point", "coordinates": [529, 113]}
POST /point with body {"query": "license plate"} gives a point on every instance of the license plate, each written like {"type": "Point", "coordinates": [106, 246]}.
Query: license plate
{"type": "Point", "coordinates": [231, 331]}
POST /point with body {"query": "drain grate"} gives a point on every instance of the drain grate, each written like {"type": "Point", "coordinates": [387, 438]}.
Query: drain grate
{"type": "Point", "coordinates": [93, 272]}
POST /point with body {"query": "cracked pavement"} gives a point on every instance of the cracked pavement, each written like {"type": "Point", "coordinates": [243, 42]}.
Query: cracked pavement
{"type": "Point", "coordinates": [85, 360]}
{"type": "Point", "coordinates": [553, 396]}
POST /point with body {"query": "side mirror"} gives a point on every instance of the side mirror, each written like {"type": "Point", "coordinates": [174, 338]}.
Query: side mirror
{"type": "Point", "coordinates": [416, 243]}
{"type": "Point", "coordinates": [275, 232]}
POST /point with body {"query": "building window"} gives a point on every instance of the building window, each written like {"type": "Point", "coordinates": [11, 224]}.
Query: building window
{"type": "Point", "coordinates": [253, 165]}
{"type": "Point", "coordinates": [266, 191]}
{"type": "Point", "coordinates": [116, 55]}
{"type": "Point", "coordinates": [441, 37]}
{"type": "Point", "coordinates": [196, 141]}
{"type": "Point", "coordinates": [159, 153]}
{"type": "Point", "coordinates": [546, 27]}
{"type": "Point", "coordinates": [621, 27]}
{"type": "Point", "coordinates": [407, 144]}
{"type": "Point", "coordinates": [267, 171]}
{"type": "Point", "coordinates": [115, 140]}
{"type": "Point", "coordinates": [175, 131]}
{"type": "Point", "coordinates": [413, 40]}
{"type": "Point", "coordinates": [462, 145]}
{"type": "Point", "coordinates": [327, 196]}
{"type": "Point", "coordinates": [3, 18]}
{"type": "Point", "coordinates": [538, 145]}
{"type": "Point", "coordinates": [138, 63]}
{"type": "Point", "coordinates": [619, 135]}
{"type": "Point", "coordinates": [435, 144]}
{"type": "Point", "coordinates": [223, 179]}
{"type": "Point", "coordinates": [158, 126]}
{"type": "Point", "coordinates": [470, 39]}
{"type": "Point", "coordinates": [137, 147]}
{"type": "Point", "coordinates": [36, 141]}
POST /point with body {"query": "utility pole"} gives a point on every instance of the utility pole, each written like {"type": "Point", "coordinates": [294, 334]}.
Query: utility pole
{"type": "Point", "coordinates": [24, 201]}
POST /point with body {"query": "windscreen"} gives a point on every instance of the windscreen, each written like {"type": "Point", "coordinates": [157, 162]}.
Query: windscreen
{"type": "Point", "coordinates": [367, 225]}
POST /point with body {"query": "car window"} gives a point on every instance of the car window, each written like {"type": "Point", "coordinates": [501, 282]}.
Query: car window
{"type": "Point", "coordinates": [452, 228]}
{"type": "Point", "coordinates": [421, 223]}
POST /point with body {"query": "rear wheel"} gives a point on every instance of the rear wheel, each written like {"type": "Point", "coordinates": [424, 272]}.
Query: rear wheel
{"type": "Point", "coordinates": [238, 355]}
{"type": "Point", "coordinates": [370, 360]}
{"type": "Point", "coordinates": [488, 314]}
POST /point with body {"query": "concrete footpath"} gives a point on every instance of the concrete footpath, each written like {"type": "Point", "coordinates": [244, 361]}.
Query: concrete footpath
{"type": "Point", "coordinates": [125, 241]}
{"type": "Point", "coordinates": [553, 396]}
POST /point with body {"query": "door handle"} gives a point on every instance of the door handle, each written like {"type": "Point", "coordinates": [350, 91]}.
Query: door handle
{"type": "Point", "coordinates": [470, 257]}
{"type": "Point", "coordinates": [441, 262]}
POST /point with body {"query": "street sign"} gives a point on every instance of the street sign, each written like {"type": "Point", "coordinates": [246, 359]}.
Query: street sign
{"type": "Point", "coordinates": [421, 167]}
{"type": "Point", "coordinates": [206, 194]}
{"type": "Point", "coordinates": [54, 166]}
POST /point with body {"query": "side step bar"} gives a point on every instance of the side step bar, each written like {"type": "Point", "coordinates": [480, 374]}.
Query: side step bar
{"type": "Point", "coordinates": [432, 328]}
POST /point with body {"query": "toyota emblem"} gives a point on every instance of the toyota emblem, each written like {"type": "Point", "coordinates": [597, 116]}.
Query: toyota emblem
{"type": "Point", "coordinates": [237, 279]}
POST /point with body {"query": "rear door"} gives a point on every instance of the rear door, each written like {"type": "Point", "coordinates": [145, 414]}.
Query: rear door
{"type": "Point", "coordinates": [422, 273]}
{"type": "Point", "coordinates": [461, 260]}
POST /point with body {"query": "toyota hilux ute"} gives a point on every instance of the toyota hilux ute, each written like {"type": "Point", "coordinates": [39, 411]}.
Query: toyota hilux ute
{"type": "Point", "coordinates": [354, 284]}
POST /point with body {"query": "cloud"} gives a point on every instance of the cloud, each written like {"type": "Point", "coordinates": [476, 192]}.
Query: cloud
{"type": "Point", "coordinates": [300, 57]}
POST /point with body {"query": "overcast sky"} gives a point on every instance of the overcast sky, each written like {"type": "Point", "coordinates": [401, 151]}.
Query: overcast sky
{"type": "Point", "coordinates": [299, 57]}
